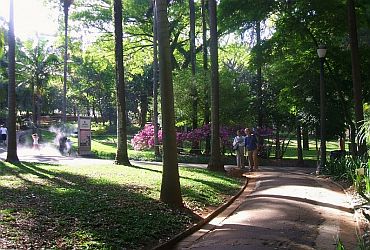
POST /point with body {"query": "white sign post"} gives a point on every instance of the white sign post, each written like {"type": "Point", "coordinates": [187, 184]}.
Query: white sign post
{"type": "Point", "coordinates": [84, 135]}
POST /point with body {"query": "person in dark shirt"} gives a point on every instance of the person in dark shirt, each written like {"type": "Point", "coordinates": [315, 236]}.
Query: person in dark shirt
{"type": "Point", "coordinates": [62, 144]}
{"type": "Point", "coordinates": [251, 148]}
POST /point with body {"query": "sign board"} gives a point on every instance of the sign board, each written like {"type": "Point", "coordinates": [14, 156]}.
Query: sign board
{"type": "Point", "coordinates": [84, 135]}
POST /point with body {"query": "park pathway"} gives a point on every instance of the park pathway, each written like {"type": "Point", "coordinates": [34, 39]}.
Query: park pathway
{"type": "Point", "coordinates": [282, 208]}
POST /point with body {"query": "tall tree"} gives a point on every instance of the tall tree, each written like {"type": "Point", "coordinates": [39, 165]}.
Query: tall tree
{"type": "Point", "coordinates": [215, 162]}
{"type": "Point", "coordinates": [121, 154]}
{"type": "Point", "coordinates": [170, 188]}
{"type": "Point", "coordinates": [205, 69]}
{"type": "Point", "coordinates": [12, 137]}
{"type": "Point", "coordinates": [259, 74]}
{"type": "Point", "coordinates": [155, 82]}
{"type": "Point", "coordinates": [66, 4]}
{"type": "Point", "coordinates": [299, 145]}
{"type": "Point", "coordinates": [194, 92]}
{"type": "Point", "coordinates": [356, 72]}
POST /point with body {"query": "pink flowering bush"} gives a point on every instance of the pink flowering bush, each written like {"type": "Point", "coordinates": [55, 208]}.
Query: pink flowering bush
{"type": "Point", "coordinates": [145, 138]}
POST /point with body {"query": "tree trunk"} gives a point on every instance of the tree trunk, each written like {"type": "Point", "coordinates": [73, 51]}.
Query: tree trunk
{"type": "Point", "coordinates": [259, 75]}
{"type": "Point", "coordinates": [194, 92]}
{"type": "Point", "coordinates": [277, 144]}
{"type": "Point", "coordinates": [155, 82]}
{"type": "Point", "coordinates": [170, 188]}
{"type": "Point", "coordinates": [33, 94]}
{"type": "Point", "coordinates": [206, 82]}
{"type": "Point", "coordinates": [38, 107]}
{"type": "Point", "coordinates": [356, 73]}
{"type": "Point", "coordinates": [353, 148]}
{"type": "Point", "coordinates": [94, 113]}
{"type": "Point", "coordinates": [143, 110]}
{"type": "Point", "coordinates": [64, 108]}
{"type": "Point", "coordinates": [299, 146]}
{"type": "Point", "coordinates": [305, 137]}
{"type": "Point", "coordinates": [11, 124]}
{"type": "Point", "coordinates": [121, 155]}
{"type": "Point", "coordinates": [215, 163]}
{"type": "Point", "coordinates": [342, 141]}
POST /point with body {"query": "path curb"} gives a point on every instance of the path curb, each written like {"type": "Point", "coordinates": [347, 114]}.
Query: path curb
{"type": "Point", "coordinates": [174, 240]}
{"type": "Point", "coordinates": [352, 207]}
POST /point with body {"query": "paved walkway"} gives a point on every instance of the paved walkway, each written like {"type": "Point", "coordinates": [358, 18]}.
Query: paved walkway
{"type": "Point", "coordinates": [282, 208]}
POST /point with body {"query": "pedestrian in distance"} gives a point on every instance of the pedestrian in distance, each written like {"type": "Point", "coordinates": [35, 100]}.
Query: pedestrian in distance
{"type": "Point", "coordinates": [35, 143]}
{"type": "Point", "coordinates": [69, 146]}
{"type": "Point", "coordinates": [238, 146]}
{"type": "Point", "coordinates": [62, 144]}
{"type": "Point", "coordinates": [4, 133]}
{"type": "Point", "coordinates": [251, 148]}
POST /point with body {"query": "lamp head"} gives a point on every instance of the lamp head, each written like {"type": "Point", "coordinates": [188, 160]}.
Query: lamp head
{"type": "Point", "coordinates": [67, 3]}
{"type": "Point", "coordinates": [321, 51]}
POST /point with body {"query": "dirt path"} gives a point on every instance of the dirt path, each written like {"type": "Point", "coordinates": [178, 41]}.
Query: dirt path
{"type": "Point", "coordinates": [282, 208]}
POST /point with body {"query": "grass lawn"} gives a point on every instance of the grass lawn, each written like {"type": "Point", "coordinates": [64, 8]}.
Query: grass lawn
{"type": "Point", "coordinates": [99, 207]}
{"type": "Point", "coordinates": [311, 154]}
{"type": "Point", "coordinates": [105, 147]}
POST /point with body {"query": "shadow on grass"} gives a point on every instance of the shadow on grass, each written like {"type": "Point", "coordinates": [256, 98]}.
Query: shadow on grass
{"type": "Point", "coordinates": [223, 187]}
{"type": "Point", "coordinates": [56, 209]}
{"type": "Point", "coordinates": [209, 188]}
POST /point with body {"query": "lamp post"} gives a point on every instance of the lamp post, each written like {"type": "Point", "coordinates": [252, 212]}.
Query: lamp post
{"type": "Point", "coordinates": [321, 51]}
{"type": "Point", "coordinates": [66, 4]}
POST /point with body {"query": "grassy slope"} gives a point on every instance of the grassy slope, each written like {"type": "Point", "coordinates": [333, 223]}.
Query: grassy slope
{"type": "Point", "coordinates": [101, 207]}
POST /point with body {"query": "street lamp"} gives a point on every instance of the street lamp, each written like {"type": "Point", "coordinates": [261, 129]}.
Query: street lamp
{"type": "Point", "coordinates": [321, 51]}
{"type": "Point", "coordinates": [66, 4]}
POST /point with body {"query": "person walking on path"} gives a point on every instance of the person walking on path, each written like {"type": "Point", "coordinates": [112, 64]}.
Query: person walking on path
{"type": "Point", "coordinates": [251, 148]}
{"type": "Point", "coordinates": [238, 146]}
{"type": "Point", "coordinates": [4, 132]}
{"type": "Point", "coordinates": [35, 143]}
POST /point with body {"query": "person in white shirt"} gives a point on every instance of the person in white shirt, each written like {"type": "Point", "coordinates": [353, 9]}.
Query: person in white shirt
{"type": "Point", "coordinates": [35, 144]}
{"type": "Point", "coordinates": [4, 132]}
{"type": "Point", "coordinates": [238, 146]}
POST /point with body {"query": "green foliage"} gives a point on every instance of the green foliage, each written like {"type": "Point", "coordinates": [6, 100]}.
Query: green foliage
{"type": "Point", "coordinates": [94, 84]}
{"type": "Point", "coordinates": [340, 245]}
{"type": "Point", "coordinates": [37, 63]}
{"type": "Point", "coordinates": [237, 85]}
{"type": "Point", "coordinates": [364, 133]}
{"type": "Point", "coordinates": [290, 64]}
{"type": "Point", "coordinates": [235, 14]}
{"type": "Point", "coordinates": [351, 169]}
{"type": "Point", "coordinates": [342, 168]}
